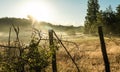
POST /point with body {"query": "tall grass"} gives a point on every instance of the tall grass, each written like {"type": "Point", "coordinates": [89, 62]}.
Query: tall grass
{"type": "Point", "coordinates": [35, 56]}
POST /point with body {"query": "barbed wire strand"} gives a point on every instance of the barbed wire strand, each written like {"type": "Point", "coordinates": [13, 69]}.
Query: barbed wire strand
{"type": "Point", "coordinates": [66, 51]}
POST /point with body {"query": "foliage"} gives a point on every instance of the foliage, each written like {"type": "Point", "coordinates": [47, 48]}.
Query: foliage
{"type": "Point", "coordinates": [32, 57]}
{"type": "Point", "coordinates": [38, 57]}
{"type": "Point", "coordinates": [109, 19]}
{"type": "Point", "coordinates": [91, 18]}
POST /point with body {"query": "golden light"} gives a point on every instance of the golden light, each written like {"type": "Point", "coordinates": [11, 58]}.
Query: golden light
{"type": "Point", "coordinates": [42, 11]}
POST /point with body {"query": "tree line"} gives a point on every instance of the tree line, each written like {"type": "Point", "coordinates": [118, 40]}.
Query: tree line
{"type": "Point", "coordinates": [109, 19]}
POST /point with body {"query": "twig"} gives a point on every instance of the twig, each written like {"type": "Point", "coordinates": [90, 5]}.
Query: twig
{"type": "Point", "coordinates": [9, 41]}
{"type": "Point", "coordinates": [9, 37]}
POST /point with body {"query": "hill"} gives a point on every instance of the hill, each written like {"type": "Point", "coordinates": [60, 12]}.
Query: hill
{"type": "Point", "coordinates": [23, 23]}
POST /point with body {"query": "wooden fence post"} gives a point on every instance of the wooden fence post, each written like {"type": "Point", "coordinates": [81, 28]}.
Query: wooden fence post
{"type": "Point", "coordinates": [53, 50]}
{"type": "Point", "coordinates": [103, 48]}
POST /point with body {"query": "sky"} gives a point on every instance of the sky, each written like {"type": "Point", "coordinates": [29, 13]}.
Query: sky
{"type": "Point", "coordinates": [61, 12]}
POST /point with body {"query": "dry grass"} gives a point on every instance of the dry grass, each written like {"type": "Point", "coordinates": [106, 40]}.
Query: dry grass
{"type": "Point", "coordinates": [89, 56]}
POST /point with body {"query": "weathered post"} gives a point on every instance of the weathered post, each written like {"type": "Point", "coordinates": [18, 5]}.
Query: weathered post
{"type": "Point", "coordinates": [103, 48]}
{"type": "Point", "coordinates": [53, 50]}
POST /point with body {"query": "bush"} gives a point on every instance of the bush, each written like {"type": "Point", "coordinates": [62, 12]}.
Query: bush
{"type": "Point", "coordinates": [32, 57]}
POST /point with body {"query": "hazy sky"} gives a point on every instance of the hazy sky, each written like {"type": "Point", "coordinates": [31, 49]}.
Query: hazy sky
{"type": "Point", "coordinates": [65, 12]}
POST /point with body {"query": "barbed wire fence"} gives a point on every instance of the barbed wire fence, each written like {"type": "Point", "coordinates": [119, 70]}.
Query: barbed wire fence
{"type": "Point", "coordinates": [14, 49]}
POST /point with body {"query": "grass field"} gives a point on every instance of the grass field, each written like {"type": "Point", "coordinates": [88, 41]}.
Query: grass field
{"type": "Point", "coordinates": [86, 52]}
{"type": "Point", "coordinates": [88, 55]}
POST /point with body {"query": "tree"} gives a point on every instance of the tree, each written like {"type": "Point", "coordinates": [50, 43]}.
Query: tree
{"type": "Point", "coordinates": [91, 18]}
{"type": "Point", "coordinates": [109, 20]}
{"type": "Point", "coordinates": [118, 19]}
{"type": "Point", "coordinates": [118, 10]}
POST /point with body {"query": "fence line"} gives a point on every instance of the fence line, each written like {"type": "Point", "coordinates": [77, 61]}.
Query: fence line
{"type": "Point", "coordinates": [51, 38]}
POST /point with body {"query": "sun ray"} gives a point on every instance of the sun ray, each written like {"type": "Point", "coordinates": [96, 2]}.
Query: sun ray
{"type": "Point", "coordinates": [42, 11]}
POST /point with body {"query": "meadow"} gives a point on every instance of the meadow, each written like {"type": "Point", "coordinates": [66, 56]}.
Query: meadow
{"type": "Point", "coordinates": [86, 52]}
{"type": "Point", "coordinates": [88, 55]}
{"type": "Point", "coordinates": [84, 49]}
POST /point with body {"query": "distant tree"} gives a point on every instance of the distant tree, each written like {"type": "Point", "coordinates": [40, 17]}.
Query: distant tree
{"type": "Point", "coordinates": [99, 22]}
{"type": "Point", "coordinates": [109, 20]}
{"type": "Point", "coordinates": [91, 18]}
{"type": "Point", "coordinates": [5, 23]}
{"type": "Point", "coordinates": [118, 19]}
{"type": "Point", "coordinates": [118, 9]}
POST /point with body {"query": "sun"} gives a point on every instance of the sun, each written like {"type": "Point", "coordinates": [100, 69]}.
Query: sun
{"type": "Point", "coordinates": [41, 11]}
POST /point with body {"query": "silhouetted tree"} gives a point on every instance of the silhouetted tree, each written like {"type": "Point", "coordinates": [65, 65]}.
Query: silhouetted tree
{"type": "Point", "coordinates": [91, 18]}
{"type": "Point", "coordinates": [109, 20]}
{"type": "Point", "coordinates": [118, 19]}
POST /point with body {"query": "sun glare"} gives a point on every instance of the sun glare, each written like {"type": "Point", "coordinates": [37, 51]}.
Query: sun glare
{"type": "Point", "coordinates": [39, 10]}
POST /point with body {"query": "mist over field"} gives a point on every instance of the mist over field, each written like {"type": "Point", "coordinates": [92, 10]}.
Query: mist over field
{"type": "Point", "coordinates": [26, 26]}
{"type": "Point", "coordinates": [60, 36]}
